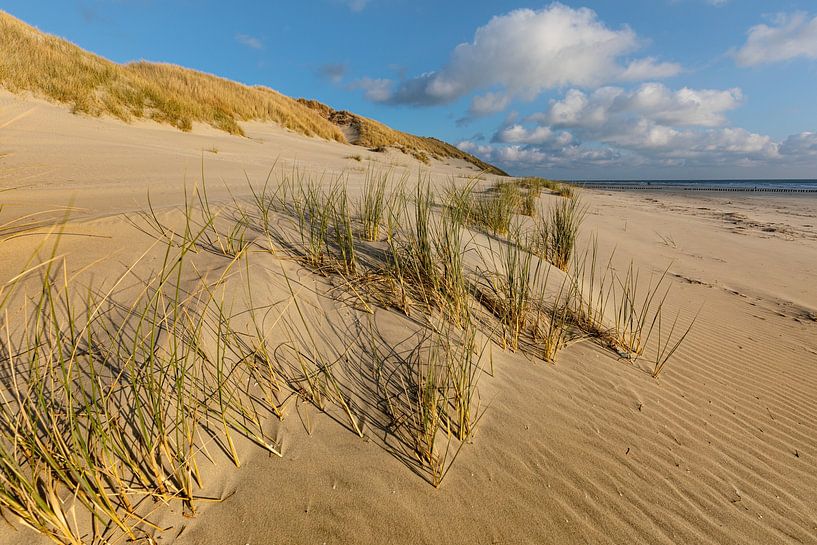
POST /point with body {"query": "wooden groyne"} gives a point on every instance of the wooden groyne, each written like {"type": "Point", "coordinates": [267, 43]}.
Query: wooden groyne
{"type": "Point", "coordinates": [617, 187]}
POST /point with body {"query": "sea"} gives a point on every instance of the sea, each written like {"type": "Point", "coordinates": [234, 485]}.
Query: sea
{"type": "Point", "coordinates": [764, 186]}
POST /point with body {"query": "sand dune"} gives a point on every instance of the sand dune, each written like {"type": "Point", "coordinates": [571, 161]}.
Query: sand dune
{"type": "Point", "coordinates": [721, 448]}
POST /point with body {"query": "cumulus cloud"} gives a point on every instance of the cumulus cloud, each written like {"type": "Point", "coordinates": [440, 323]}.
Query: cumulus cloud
{"type": "Point", "coordinates": [519, 134]}
{"type": "Point", "coordinates": [483, 105]}
{"type": "Point", "coordinates": [649, 68]}
{"type": "Point", "coordinates": [471, 146]}
{"type": "Point", "coordinates": [535, 157]}
{"type": "Point", "coordinates": [789, 36]}
{"type": "Point", "coordinates": [800, 145]}
{"type": "Point", "coordinates": [249, 41]}
{"type": "Point", "coordinates": [650, 125]}
{"type": "Point", "coordinates": [646, 145]}
{"type": "Point", "coordinates": [711, 145]}
{"type": "Point", "coordinates": [653, 101]}
{"type": "Point", "coordinates": [526, 52]}
{"type": "Point", "coordinates": [489, 103]}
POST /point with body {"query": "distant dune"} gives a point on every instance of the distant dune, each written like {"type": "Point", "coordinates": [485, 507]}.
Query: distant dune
{"type": "Point", "coordinates": [53, 68]}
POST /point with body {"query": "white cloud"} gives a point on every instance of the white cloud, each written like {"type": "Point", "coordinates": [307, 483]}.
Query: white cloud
{"type": "Point", "coordinates": [534, 157]}
{"type": "Point", "coordinates": [526, 52]}
{"type": "Point", "coordinates": [518, 134]}
{"type": "Point", "coordinates": [612, 106]}
{"type": "Point", "coordinates": [790, 36]}
{"type": "Point", "coordinates": [489, 103]}
{"type": "Point", "coordinates": [249, 41]}
{"type": "Point", "coordinates": [800, 145]}
{"type": "Point", "coordinates": [711, 145]}
{"type": "Point", "coordinates": [649, 68]}
{"type": "Point", "coordinates": [469, 146]}
{"type": "Point", "coordinates": [647, 145]}
{"type": "Point", "coordinates": [650, 125]}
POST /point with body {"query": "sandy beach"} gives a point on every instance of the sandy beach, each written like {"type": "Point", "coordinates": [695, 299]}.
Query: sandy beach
{"type": "Point", "coordinates": [720, 448]}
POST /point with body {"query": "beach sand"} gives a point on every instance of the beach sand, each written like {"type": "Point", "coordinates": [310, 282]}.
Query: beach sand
{"type": "Point", "coordinates": [720, 449]}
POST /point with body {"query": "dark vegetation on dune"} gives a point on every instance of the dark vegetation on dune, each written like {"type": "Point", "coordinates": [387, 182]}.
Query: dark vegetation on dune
{"type": "Point", "coordinates": [374, 135]}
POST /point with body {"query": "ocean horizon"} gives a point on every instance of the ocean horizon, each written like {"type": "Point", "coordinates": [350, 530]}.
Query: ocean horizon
{"type": "Point", "coordinates": [767, 185]}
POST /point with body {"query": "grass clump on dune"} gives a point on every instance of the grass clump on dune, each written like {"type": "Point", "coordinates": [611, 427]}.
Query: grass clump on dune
{"type": "Point", "coordinates": [555, 234]}
{"type": "Point", "coordinates": [58, 70]}
{"type": "Point", "coordinates": [377, 137]}
{"type": "Point", "coordinates": [55, 69]}
{"type": "Point", "coordinates": [494, 211]}
{"type": "Point", "coordinates": [509, 288]}
{"type": "Point", "coordinates": [623, 311]}
{"type": "Point", "coordinates": [109, 405]}
{"type": "Point", "coordinates": [373, 203]}
{"type": "Point", "coordinates": [431, 395]}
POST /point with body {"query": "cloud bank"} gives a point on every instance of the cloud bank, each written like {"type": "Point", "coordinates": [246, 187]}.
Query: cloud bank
{"type": "Point", "coordinates": [522, 54]}
{"type": "Point", "coordinates": [651, 125]}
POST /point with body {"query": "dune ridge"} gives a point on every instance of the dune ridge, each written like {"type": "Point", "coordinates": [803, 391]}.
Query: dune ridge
{"type": "Point", "coordinates": [53, 68]}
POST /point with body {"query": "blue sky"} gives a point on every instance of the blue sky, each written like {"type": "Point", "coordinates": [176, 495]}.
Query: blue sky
{"type": "Point", "coordinates": [593, 89]}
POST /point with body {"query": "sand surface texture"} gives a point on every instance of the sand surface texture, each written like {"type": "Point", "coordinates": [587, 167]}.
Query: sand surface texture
{"type": "Point", "coordinates": [720, 449]}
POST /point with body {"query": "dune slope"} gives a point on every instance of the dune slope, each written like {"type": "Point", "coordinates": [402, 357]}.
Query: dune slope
{"type": "Point", "coordinates": [53, 68]}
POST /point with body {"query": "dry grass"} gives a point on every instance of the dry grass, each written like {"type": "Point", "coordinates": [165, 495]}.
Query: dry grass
{"type": "Point", "coordinates": [107, 406]}
{"type": "Point", "coordinates": [509, 282]}
{"type": "Point", "coordinates": [538, 184]}
{"type": "Point", "coordinates": [105, 403]}
{"type": "Point", "coordinates": [377, 136]}
{"type": "Point", "coordinates": [431, 394]}
{"type": "Point", "coordinates": [624, 311]}
{"type": "Point", "coordinates": [556, 233]}
{"type": "Point", "coordinates": [55, 69]}
{"type": "Point", "coordinates": [494, 211]}
{"type": "Point", "coordinates": [372, 205]}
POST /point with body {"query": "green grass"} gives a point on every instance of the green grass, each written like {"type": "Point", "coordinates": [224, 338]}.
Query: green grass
{"type": "Point", "coordinates": [112, 401]}
{"type": "Point", "coordinates": [510, 285]}
{"type": "Point", "coordinates": [372, 204]}
{"type": "Point", "coordinates": [624, 310]}
{"type": "Point", "coordinates": [495, 211]}
{"type": "Point", "coordinates": [556, 234]}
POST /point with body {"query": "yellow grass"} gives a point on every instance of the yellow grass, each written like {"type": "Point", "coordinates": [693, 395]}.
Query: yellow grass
{"type": "Point", "coordinates": [56, 69]}
{"type": "Point", "coordinates": [367, 132]}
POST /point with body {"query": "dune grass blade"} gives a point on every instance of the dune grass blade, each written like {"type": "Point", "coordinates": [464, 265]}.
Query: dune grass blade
{"type": "Point", "coordinates": [562, 227]}
{"type": "Point", "coordinates": [344, 235]}
{"type": "Point", "coordinates": [509, 284]}
{"type": "Point", "coordinates": [373, 203]}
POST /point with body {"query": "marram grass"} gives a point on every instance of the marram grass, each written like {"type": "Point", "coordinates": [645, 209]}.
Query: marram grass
{"type": "Point", "coordinates": [105, 410]}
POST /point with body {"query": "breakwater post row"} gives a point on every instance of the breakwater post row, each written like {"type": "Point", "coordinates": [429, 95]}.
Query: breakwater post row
{"type": "Point", "coordinates": [616, 187]}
